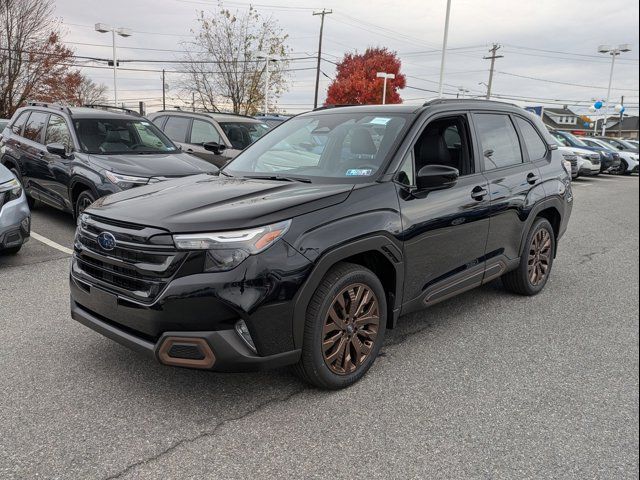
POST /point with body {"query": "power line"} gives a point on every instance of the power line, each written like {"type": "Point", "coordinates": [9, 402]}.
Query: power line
{"type": "Point", "coordinates": [564, 83]}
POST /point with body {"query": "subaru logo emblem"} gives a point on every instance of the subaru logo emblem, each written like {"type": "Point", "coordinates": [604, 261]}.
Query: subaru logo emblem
{"type": "Point", "coordinates": [107, 241]}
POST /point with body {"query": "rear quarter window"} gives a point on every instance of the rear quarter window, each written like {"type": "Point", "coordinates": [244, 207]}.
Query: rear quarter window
{"type": "Point", "coordinates": [535, 146]}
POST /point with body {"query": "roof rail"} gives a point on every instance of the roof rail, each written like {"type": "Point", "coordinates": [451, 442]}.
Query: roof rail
{"type": "Point", "coordinates": [206, 114]}
{"type": "Point", "coordinates": [112, 107]}
{"type": "Point", "coordinates": [326, 107]}
{"type": "Point", "coordinates": [57, 106]}
{"type": "Point", "coordinates": [439, 101]}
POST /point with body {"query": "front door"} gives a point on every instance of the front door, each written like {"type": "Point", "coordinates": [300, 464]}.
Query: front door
{"type": "Point", "coordinates": [203, 132]}
{"type": "Point", "coordinates": [444, 231]}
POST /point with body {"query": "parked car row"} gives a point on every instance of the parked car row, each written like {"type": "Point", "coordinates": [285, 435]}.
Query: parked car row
{"type": "Point", "coordinates": [597, 155]}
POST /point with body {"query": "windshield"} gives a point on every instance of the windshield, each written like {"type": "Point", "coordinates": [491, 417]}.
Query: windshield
{"type": "Point", "coordinates": [243, 134]}
{"type": "Point", "coordinates": [602, 145]}
{"type": "Point", "coordinates": [575, 140]}
{"type": "Point", "coordinates": [120, 135]}
{"type": "Point", "coordinates": [348, 146]}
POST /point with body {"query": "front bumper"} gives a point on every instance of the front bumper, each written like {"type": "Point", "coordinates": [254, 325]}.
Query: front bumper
{"type": "Point", "coordinates": [15, 223]}
{"type": "Point", "coordinates": [230, 354]}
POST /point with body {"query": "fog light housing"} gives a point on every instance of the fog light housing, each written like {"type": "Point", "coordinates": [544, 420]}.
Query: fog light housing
{"type": "Point", "coordinates": [243, 333]}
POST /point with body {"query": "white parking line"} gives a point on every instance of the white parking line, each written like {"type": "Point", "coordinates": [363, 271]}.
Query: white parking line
{"type": "Point", "coordinates": [51, 243]}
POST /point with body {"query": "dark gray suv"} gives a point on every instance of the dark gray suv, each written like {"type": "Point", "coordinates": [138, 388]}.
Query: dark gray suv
{"type": "Point", "coordinates": [214, 137]}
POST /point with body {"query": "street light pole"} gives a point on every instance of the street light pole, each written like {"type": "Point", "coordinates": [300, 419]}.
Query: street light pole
{"type": "Point", "coordinates": [444, 49]}
{"type": "Point", "coordinates": [614, 52]}
{"type": "Point", "coordinates": [266, 87]}
{"type": "Point", "coordinates": [385, 76]}
{"type": "Point", "coordinates": [123, 32]}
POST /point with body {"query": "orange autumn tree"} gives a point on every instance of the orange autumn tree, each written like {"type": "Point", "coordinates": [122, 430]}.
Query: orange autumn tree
{"type": "Point", "coordinates": [356, 81]}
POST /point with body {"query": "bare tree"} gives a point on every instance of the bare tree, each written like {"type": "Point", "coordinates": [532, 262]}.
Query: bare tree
{"type": "Point", "coordinates": [224, 68]}
{"type": "Point", "coordinates": [89, 92]}
{"type": "Point", "coordinates": [33, 62]}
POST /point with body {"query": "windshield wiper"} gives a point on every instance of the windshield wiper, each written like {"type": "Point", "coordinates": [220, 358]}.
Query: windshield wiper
{"type": "Point", "coordinates": [279, 178]}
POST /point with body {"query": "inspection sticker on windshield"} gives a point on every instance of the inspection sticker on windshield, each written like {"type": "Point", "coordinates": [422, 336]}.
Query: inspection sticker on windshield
{"type": "Point", "coordinates": [359, 172]}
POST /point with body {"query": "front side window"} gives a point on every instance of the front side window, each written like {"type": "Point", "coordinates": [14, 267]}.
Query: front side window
{"type": "Point", "coordinates": [58, 132]}
{"type": "Point", "coordinates": [35, 126]}
{"type": "Point", "coordinates": [243, 134]}
{"type": "Point", "coordinates": [121, 135]}
{"type": "Point", "coordinates": [499, 140]}
{"type": "Point", "coordinates": [536, 147]}
{"type": "Point", "coordinates": [204, 132]}
{"type": "Point", "coordinates": [347, 146]}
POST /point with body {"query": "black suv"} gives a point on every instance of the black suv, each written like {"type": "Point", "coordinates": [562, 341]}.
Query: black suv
{"type": "Point", "coordinates": [315, 239]}
{"type": "Point", "coordinates": [68, 157]}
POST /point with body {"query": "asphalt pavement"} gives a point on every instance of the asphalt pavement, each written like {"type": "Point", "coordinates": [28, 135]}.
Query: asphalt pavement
{"type": "Point", "coordinates": [486, 385]}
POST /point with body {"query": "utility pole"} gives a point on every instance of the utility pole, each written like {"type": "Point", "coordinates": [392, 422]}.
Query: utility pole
{"type": "Point", "coordinates": [322, 14]}
{"type": "Point", "coordinates": [444, 49]}
{"type": "Point", "coordinates": [164, 85]}
{"type": "Point", "coordinates": [493, 58]}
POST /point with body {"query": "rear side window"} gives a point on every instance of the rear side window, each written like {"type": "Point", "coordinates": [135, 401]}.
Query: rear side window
{"type": "Point", "coordinates": [203, 132]}
{"type": "Point", "coordinates": [159, 121]}
{"type": "Point", "coordinates": [536, 147]}
{"type": "Point", "coordinates": [499, 140]}
{"type": "Point", "coordinates": [176, 128]}
{"type": "Point", "coordinates": [19, 123]}
{"type": "Point", "coordinates": [58, 131]}
{"type": "Point", "coordinates": [35, 126]}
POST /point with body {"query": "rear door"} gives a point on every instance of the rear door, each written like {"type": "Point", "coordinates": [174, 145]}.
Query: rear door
{"type": "Point", "coordinates": [512, 178]}
{"type": "Point", "coordinates": [33, 156]}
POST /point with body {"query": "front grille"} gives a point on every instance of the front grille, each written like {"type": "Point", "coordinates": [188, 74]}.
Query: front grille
{"type": "Point", "coordinates": [142, 263]}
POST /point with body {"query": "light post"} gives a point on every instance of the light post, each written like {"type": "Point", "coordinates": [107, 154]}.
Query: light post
{"type": "Point", "coordinates": [123, 32]}
{"type": "Point", "coordinates": [267, 59]}
{"type": "Point", "coordinates": [444, 49]}
{"type": "Point", "coordinates": [614, 52]}
{"type": "Point", "coordinates": [463, 91]}
{"type": "Point", "coordinates": [386, 76]}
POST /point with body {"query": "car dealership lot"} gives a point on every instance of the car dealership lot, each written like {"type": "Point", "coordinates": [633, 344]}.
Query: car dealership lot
{"type": "Point", "coordinates": [485, 385]}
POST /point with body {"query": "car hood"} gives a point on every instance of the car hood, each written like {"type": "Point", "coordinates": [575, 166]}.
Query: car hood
{"type": "Point", "coordinates": [177, 164]}
{"type": "Point", "coordinates": [209, 202]}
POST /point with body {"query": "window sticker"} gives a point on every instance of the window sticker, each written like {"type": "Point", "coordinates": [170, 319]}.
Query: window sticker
{"type": "Point", "coordinates": [359, 172]}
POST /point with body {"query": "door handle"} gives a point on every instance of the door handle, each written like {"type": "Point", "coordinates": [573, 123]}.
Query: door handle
{"type": "Point", "coordinates": [478, 193]}
{"type": "Point", "coordinates": [532, 178]}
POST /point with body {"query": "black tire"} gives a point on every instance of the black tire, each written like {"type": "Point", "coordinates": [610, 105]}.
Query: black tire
{"type": "Point", "coordinates": [11, 251]}
{"type": "Point", "coordinates": [520, 280]}
{"type": "Point", "coordinates": [623, 168]}
{"type": "Point", "coordinates": [85, 199]}
{"type": "Point", "coordinates": [32, 202]}
{"type": "Point", "coordinates": [314, 366]}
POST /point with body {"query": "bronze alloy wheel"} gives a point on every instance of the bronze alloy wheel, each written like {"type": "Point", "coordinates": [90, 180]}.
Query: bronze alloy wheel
{"type": "Point", "coordinates": [350, 329]}
{"type": "Point", "coordinates": [539, 257]}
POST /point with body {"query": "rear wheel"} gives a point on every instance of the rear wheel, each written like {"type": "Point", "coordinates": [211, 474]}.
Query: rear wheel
{"type": "Point", "coordinates": [535, 264]}
{"type": "Point", "coordinates": [344, 328]}
{"type": "Point", "coordinates": [31, 201]}
{"type": "Point", "coordinates": [85, 199]}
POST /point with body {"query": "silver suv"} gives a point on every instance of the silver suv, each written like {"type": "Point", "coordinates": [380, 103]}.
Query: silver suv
{"type": "Point", "coordinates": [214, 137]}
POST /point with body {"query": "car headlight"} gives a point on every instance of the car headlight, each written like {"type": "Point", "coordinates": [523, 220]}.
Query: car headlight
{"type": "Point", "coordinates": [227, 250]}
{"type": "Point", "coordinates": [125, 181]}
{"type": "Point", "coordinates": [13, 187]}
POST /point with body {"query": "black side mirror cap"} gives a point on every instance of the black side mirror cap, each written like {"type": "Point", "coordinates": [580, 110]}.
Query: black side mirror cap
{"type": "Point", "coordinates": [57, 149]}
{"type": "Point", "coordinates": [215, 147]}
{"type": "Point", "coordinates": [436, 177]}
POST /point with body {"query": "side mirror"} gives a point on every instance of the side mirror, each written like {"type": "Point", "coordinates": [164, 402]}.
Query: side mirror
{"type": "Point", "coordinates": [214, 147]}
{"type": "Point", "coordinates": [57, 149]}
{"type": "Point", "coordinates": [436, 177]}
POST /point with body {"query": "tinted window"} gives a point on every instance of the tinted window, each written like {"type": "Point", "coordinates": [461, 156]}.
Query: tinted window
{"type": "Point", "coordinates": [243, 134]}
{"type": "Point", "coordinates": [176, 128]}
{"type": "Point", "coordinates": [536, 147]}
{"type": "Point", "coordinates": [203, 132]}
{"type": "Point", "coordinates": [19, 123]}
{"type": "Point", "coordinates": [34, 127]}
{"type": "Point", "coordinates": [500, 144]}
{"type": "Point", "coordinates": [57, 131]}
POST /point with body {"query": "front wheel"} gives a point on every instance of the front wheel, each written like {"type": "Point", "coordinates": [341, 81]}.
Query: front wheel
{"type": "Point", "coordinates": [85, 199]}
{"type": "Point", "coordinates": [622, 169]}
{"type": "Point", "coordinates": [535, 264]}
{"type": "Point", "coordinates": [344, 329]}
{"type": "Point", "coordinates": [11, 251]}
